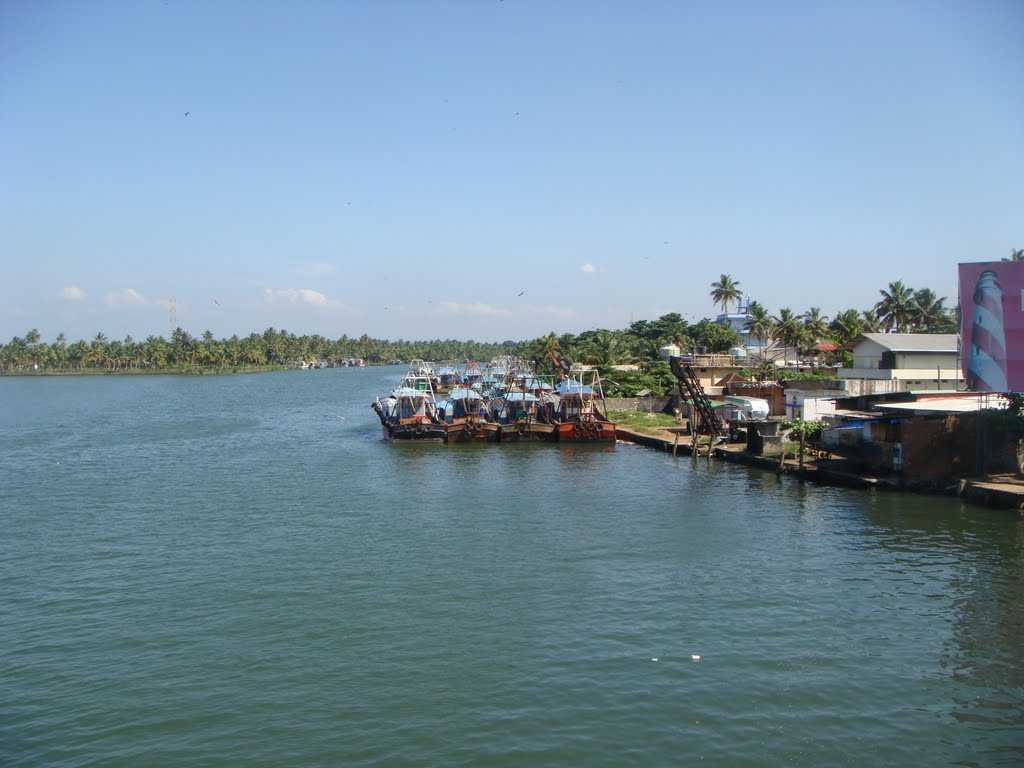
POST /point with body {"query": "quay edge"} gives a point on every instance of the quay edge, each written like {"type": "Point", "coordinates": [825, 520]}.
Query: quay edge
{"type": "Point", "coordinates": [980, 492]}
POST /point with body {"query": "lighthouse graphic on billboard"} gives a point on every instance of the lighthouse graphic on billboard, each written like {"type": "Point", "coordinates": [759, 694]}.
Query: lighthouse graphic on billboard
{"type": "Point", "coordinates": [986, 363]}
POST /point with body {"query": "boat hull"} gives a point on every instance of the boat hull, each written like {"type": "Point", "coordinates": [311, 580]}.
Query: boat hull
{"type": "Point", "coordinates": [586, 432]}
{"type": "Point", "coordinates": [473, 432]}
{"type": "Point", "coordinates": [521, 431]}
{"type": "Point", "coordinates": [430, 433]}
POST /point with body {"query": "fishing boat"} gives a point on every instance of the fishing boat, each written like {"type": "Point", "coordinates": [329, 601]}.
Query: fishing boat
{"type": "Point", "coordinates": [466, 417]}
{"type": "Point", "coordinates": [448, 377]}
{"type": "Point", "coordinates": [423, 369]}
{"type": "Point", "coordinates": [410, 411]}
{"type": "Point", "coordinates": [582, 416]}
{"type": "Point", "coordinates": [472, 375]}
{"type": "Point", "coordinates": [524, 416]}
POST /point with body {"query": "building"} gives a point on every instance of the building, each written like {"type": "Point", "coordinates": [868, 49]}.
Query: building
{"type": "Point", "coordinates": [929, 438]}
{"type": "Point", "coordinates": [737, 321]}
{"type": "Point", "coordinates": [669, 351]}
{"type": "Point", "coordinates": [811, 405]}
{"type": "Point", "coordinates": [900, 362]}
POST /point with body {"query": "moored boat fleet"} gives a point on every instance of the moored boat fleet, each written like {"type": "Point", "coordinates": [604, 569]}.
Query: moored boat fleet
{"type": "Point", "coordinates": [504, 401]}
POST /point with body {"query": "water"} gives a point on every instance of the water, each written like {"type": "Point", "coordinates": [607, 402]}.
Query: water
{"type": "Point", "coordinates": [227, 571]}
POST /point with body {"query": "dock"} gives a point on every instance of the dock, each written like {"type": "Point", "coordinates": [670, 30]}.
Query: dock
{"type": "Point", "coordinates": [985, 492]}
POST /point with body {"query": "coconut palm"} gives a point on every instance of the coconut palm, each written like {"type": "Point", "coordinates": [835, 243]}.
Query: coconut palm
{"type": "Point", "coordinates": [789, 330]}
{"type": "Point", "coordinates": [604, 348]}
{"type": "Point", "coordinates": [929, 311]}
{"type": "Point", "coordinates": [846, 326]}
{"type": "Point", "coordinates": [815, 325]}
{"type": "Point", "coordinates": [759, 324]}
{"type": "Point", "coordinates": [896, 307]}
{"type": "Point", "coordinates": [869, 322]}
{"type": "Point", "coordinates": [725, 291]}
{"type": "Point", "coordinates": [1016, 254]}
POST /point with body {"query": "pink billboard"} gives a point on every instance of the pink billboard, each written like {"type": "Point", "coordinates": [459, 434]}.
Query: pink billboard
{"type": "Point", "coordinates": [992, 325]}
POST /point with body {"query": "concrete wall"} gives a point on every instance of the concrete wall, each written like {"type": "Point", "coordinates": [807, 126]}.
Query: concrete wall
{"type": "Point", "coordinates": [657, 403]}
{"type": "Point", "coordinates": [867, 354]}
{"type": "Point", "coordinates": [927, 360]}
{"type": "Point", "coordinates": [811, 406]}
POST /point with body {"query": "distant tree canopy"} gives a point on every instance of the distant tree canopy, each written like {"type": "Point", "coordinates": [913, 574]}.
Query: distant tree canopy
{"type": "Point", "coordinates": [272, 348]}
{"type": "Point", "coordinates": [899, 308]}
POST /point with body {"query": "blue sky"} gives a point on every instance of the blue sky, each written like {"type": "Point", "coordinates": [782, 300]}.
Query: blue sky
{"type": "Point", "coordinates": [406, 169]}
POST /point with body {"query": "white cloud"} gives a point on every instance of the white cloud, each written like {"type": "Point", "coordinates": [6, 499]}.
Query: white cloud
{"type": "Point", "coordinates": [127, 297]}
{"type": "Point", "coordinates": [476, 309]}
{"type": "Point", "coordinates": [588, 268]}
{"type": "Point", "coordinates": [305, 296]}
{"type": "Point", "coordinates": [72, 293]}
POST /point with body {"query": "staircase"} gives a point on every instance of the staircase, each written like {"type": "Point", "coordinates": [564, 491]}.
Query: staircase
{"type": "Point", "coordinates": [690, 389]}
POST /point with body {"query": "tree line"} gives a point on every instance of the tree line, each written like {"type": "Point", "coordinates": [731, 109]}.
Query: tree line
{"type": "Point", "coordinates": [784, 336]}
{"type": "Point", "coordinates": [273, 348]}
{"type": "Point", "coordinates": [899, 308]}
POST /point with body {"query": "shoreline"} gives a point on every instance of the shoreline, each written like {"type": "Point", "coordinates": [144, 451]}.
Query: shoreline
{"type": "Point", "coordinates": [985, 493]}
{"type": "Point", "coordinates": [197, 371]}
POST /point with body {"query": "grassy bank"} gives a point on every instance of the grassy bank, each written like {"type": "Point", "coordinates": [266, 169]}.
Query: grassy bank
{"type": "Point", "coordinates": [650, 423]}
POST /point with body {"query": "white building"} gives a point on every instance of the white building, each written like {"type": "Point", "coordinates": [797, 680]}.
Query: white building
{"type": "Point", "coordinates": [899, 362]}
{"type": "Point", "coordinates": [669, 351]}
{"type": "Point", "coordinates": [737, 321]}
{"type": "Point", "coordinates": [811, 405]}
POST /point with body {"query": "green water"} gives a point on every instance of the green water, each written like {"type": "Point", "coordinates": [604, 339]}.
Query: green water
{"type": "Point", "coordinates": [221, 571]}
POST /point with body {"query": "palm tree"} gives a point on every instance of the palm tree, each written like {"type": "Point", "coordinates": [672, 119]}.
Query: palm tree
{"type": "Point", "coordinates": [759, 324]}
{"type": "Point", "coordinates": [846, 326]}
{"type": "Point", "coordinates": [869, 322]}
{"type": "Point", "coordinates": [725, 291]}
{"type": "Point", "coordinates": [32, 339]}
{"type": "Point", "coordinates": [604, 348]}
{"type": "Point", "coordinates": [896, 306]}
{"type": "Point", "coordinates": [788, 330]}
{"type": "Point", "coordinates": [98, 354]}
{"type": "Point", "coordinates": [60, 350]}
{"type": "Point", "coordinates": [929, 311]}
{"type": "Point", "coordinates": [815, 324]}
{"type": "Point", "coordinates": [1016, 254]}
{"type": "Point", "coordinates": [550, 351]}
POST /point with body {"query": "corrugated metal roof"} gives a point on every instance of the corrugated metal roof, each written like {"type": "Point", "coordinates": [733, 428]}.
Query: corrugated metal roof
{"type": "Point", "coordinates": [914, 342]}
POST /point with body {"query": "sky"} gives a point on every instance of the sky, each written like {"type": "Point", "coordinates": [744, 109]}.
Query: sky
{"type": "Point", "coordinates": [494, 169]}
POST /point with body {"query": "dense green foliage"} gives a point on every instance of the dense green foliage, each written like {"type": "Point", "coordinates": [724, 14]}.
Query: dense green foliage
{"type": "Point", "coordinates": [796, 336]}
{"type": "Point", "coordinates": [183, 352]}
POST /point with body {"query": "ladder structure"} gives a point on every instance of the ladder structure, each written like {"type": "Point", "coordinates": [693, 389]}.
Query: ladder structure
{"type": "Point", "coordinates": [690, 389]}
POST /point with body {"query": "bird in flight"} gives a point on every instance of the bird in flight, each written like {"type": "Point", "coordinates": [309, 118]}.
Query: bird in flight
{"type": "Point", "coordinates": [521, 293]}
{"type": "Point", "coordinates": [187, 114]}
{"type": "Point", "coordinates": [216, 302]}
